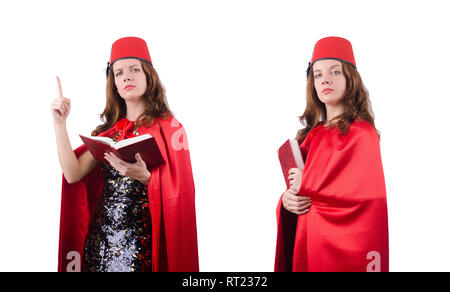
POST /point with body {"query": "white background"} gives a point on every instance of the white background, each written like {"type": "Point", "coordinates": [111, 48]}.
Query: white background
{"type": "Point", "coordinates": [235, 78]}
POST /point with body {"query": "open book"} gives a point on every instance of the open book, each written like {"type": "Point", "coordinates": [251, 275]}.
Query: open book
{"type": "Point", "coordinates": [290, 157]}
{"type": "Point", "coordinates": [126, 149]}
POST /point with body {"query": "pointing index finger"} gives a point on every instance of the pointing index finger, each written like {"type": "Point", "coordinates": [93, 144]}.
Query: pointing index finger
{"type": "Point", "coordinates": [58, 82]}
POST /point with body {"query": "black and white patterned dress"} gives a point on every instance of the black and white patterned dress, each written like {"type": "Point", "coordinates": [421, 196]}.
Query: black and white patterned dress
{"type": "Point", "coordinates": [119, 237]}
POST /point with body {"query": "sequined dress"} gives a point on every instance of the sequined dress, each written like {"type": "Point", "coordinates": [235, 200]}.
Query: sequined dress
{"type": "Point", "coordinates": [119, 235]}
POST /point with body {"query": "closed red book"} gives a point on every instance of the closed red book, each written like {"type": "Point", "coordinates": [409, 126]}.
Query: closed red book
{"type": "Point", "coordinates": [125, 149]}
{"type": "Point", "coordinates": [290, 157]}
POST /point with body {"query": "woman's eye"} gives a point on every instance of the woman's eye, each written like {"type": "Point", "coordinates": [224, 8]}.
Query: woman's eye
{"type": "Point", "coordinates": [118, 73]}
{"type": "Point", "coordinates": [137, 70]}
{"type": "Point", "coordinates": [337, 72]}
{"type": "Point", "coordinates": [317, 76]}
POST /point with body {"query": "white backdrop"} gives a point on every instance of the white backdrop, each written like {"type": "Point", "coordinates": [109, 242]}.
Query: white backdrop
{"type": "Point", "coordinates": [235, 78]}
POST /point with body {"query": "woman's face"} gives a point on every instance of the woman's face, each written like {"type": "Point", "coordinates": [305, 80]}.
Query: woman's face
{"type": "Point", "coordinates": [130, 79]}
{"type": "Point", "coordinates": [329, 81]}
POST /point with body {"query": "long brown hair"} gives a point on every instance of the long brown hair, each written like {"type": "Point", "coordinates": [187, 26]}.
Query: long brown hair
{"type": "Point", "coordinates": [116, 109]}
{"type": "Point", "coordinates": [357, 105]}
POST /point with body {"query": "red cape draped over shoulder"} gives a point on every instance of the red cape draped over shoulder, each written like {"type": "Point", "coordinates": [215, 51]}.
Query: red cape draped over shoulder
{"type": "Point", "coordinates": [171, 196]}
{"type": "Point", "coordinates": [346, 228]}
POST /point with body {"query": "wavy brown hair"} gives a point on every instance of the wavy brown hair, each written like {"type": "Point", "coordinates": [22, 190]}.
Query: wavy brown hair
{"type": "Point", "coordinates": [357, 105]}
{"type": "Point", "coordinates": [116, 109]}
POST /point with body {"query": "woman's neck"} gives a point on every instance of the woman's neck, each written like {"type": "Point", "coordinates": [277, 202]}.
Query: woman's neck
{"type": "Point", "coordinates": [332, 112]}
{"type": "Point", "coordinates": [134, 109]}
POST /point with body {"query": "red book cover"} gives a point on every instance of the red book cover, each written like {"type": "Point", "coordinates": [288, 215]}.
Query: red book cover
{"type": "Point", "coordinates": [290, 157]}
{"type": "Point", "coordinates": [125, 149]}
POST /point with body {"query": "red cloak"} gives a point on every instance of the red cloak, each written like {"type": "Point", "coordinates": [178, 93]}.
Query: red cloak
{"type": "Point", "coordinates": [171, 195]}
{"type": "Point", "coordinates": [346, 228]}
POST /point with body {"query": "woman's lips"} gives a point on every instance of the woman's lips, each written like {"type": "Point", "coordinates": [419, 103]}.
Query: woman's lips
{"type": "Point", "coordinates": [129, 87]}
{"type": "Point", "coordinates": [327, 90]}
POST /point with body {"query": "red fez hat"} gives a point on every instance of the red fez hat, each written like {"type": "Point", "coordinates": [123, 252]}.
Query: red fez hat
{"type": "Point", "coordinates": [333, 48]}
{"type": "Point", "coordinates": [129, 47]}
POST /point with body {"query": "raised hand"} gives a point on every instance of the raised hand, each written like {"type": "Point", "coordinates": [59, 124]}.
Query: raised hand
{"type": "Point", "coordinates": [60, 106]}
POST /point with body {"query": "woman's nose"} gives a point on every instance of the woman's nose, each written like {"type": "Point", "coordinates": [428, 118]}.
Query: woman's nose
{"type": "Point", "coordinates": [326, 79]}
{"type": "Point", "coordinates": [126, 77]}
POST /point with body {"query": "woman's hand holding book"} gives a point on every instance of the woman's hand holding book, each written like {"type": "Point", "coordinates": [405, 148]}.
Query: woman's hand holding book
{"type": "Point", "coordinates": [291, 200]}
{"type": "Point", "coordinates": [137, 170]}
{"type": "Point", "coordinates": [295, 179]}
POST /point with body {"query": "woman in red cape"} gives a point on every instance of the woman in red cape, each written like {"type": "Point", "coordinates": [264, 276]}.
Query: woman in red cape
{"type": "Point", "coordinates": [334, 215]}
{"type": "Point", "coordinates": [121, 216]}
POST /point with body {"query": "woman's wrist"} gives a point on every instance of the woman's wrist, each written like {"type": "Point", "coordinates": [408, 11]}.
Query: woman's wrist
{"type": "Point", "coordinates": [146, 178]}
{"type": "Point", "coordinates": [59, 124]}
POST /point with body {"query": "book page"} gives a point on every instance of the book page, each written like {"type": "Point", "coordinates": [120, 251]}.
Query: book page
{"type": "Point", "coordinates": [297, 154]}
{"type": "Point", "coordinates": [104, 140]}
{"type": "Point", "coordinates": [130, 141]}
